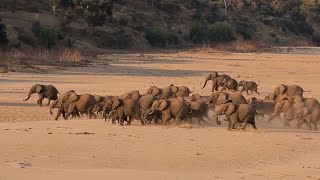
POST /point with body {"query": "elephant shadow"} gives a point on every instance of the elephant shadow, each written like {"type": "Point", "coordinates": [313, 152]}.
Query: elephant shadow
{"type": "Point", "coordinates": [17, 104]}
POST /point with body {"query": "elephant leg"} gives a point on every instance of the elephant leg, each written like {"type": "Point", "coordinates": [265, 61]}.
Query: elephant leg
{"type": "Point", "coordinates": [253, 124]}
{"type": "Point", "coordinates": [165, 119]}
{"type": "Point", "coordinates": [315, 126]}
{"type": "Point", "coordinates": [129, 118]}
{"type": "Point", "coordinates": [49, 100]}
{"type": "Point", "coordinates": [300, 123]}
{"type": "Point", "coordinates": [58, 114]}
{"type": "Point", "coordinates": [257, 92]}
{"type": "Point", "coordinates": [309, 124]}
{"type": "Point", "coordinates": [41, 97]}
{"type": "Point", "coordinates": [247, 91]}
{"type": "Point", "coordinates": [71, 109]}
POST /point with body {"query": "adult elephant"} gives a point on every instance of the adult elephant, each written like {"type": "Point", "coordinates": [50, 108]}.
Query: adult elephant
{"type": "Point", "coordinates": [98, 108]}
{"type": "Point", "coordinates": [180, 91]}
{"type": "Point", "coordinates": [124, 108]}
{"type": "Point", "coordinates": [216, 79]}
{"type": "Point", "coordinates": [72, 102]}
{"type": "Point", "coordinates": [165, 92]}
{"type": "Point", "coordinates": [308, 116]}
{"type": "Point", "coordinates": [145, 102]}
{"type": "Point", "coordinates": [219, 98]}
{"type": "Point", "coordinates": [135, 95]}
{"type": "Point", "coordinates": [170, 108]}
{"type": "Point", "coordinates": [198, 111]}
{"type": "Point", "coordinates": [289, 90]}
{"type": "Point", "coordinates": [288, 108]}
{"type": "Point", "coordinates": [44, 91]}
{"type": "Point", "coordinates": [236, 113]}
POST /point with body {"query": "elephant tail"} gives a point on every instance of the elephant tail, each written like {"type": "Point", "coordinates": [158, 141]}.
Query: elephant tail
{"type": "Point", "coordinates": [258, 84]}
{"type": "Point", "coordinates": [309, 91]}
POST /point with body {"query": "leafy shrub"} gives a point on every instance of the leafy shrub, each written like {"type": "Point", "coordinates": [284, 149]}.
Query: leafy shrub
{"type": "Point", "coordinates": [26, 39]}
{"type": "Point", "coordinates": [316, 39]}
{"type": "Point", "coordinates": [245, 28]}
{"type": "Point", "coordinates": [221, 32]}
{"type": "Point", "coordinates": [48, 37]}
{"type": "Point", "coordinates": [197, 32]}
{"type": "Point", "coordinates": [172, 38]}
{"type": "Point", "coordinates": [304, 28]}
{"type": "Point", "coordinates": [167, 6]}
{"type": "Point", "coordinates": [36, 28]}
{"type": "Point", "coordinates": [155, 37]}
{"type": "Point", "coordinates": [121, 40]}
{"type": "Point", "coordinates": [3, 35]}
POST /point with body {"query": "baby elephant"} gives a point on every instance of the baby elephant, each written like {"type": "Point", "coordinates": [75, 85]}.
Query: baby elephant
{"type": "Point", "coordinates": [308, 116]}
{"type": "Point", "coordinates": [249, 86]}
{"type": "Point", "coordinates": [236, 113]}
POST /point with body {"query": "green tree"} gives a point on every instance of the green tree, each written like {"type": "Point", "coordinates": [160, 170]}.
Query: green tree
{"type": "Point", "coordinates": [48, 37]}
{"type": "Point", "coordinates": [3, 35]}
{"type": "Point", "coordinates": [95, 12]}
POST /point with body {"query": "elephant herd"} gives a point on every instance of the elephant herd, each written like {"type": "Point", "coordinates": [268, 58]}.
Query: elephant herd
{"type": "Point", "coordinates": [178, 103]}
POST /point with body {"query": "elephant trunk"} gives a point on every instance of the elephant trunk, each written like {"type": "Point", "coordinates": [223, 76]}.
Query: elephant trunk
{"type": "Point", "coordinates": [205, 83]}
{"type": "Point", "coordinates": [152, 111]}
{"type": "Point", "coordinates": [51, 107]}
{"type": "Point", "coordinates": [29, 95]}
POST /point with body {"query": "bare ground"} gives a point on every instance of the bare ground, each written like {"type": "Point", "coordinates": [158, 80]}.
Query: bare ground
{"type": "Point", "coordinates": [33, 146]}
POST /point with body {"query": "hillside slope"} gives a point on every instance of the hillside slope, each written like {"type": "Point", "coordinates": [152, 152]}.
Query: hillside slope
{"type": "Point", "coordinates": [139, 24]}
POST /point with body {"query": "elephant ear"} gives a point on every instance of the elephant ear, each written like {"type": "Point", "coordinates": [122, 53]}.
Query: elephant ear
{"type": "Point", "coordinates": [214, 74]}
{"type": "Point", "coordinates": [222, 97]}
{"type": "Point", "coordinates": [174, 89]}
{"type": "Point", "coordinates": [282, 89]}
{"type": "Point", "coordinates": [230, 108]}
{"type": "Point", "coordinates": [115, 103]}
{"type": "Point", "coordinates": [97, 97]}
{"type": "Point", "coordinates": [163, 105]}
{"type": "Point", "coordinates": [71, 97]}
{"type": "Point", "coordinates": [305, 112]}
{"type": "Point", "coordinates": [38, 88]}
{"type": "Point", "coordinates": [155, 91]}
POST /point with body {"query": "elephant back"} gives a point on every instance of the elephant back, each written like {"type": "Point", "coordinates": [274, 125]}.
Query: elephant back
{"type": "Point", "coordinates": [146, 101]}
{"type": "Point", "coordinates": [50, 92]}
{"type": "Point", "coordinates": [85, 101]}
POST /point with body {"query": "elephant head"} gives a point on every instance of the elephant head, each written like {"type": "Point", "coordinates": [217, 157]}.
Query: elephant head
{"type": "Point", "coordinates": [210, 76]}
{"type": "Point", "coordinates": [227, 109]}
{"type": "Point", "coordinates": [282, 106]}
{"type": "Point", "coordinates": [271, 97]}
{"type": "Point", "coordinates": [174, 89]}
{"type": "Point", "coordinates": [281, 89]}
{"type": "Point", "coordinates": [37, 88]}
{"type": "Point", "coordinates": [135, 95]}
{"type": "Point", "coordinates": [159, 105]}
{"type": "Point", "coordinates": [54, 104]}
{"type": "Point", "coordinates": [115, 102]}
{"type": "Point", "coordinates": [218, 98]}
{"type": "Point", "coordinates": [69, 97]}
{"type": "Point", "coordinates": [154, 90]}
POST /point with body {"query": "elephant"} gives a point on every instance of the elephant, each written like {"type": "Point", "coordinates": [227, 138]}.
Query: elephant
{"type": "Point", "coordinates": [309, 117]}
{"type": "Point", "coordinates": [289, 90]}
{"type": "Point", "coordinates": [171, 108]}
{"type": "Point", "coordinates": [310, 103]}
{"type": "Point", "coordinates": [44, 91]}
{"type": "Point", "coordinates": [263, 107]}
{"type": "Point", "coordinates": [216, 79]}
{"type": "Point", "coordinates": [236, 113]}
{"type": "Point", "coordinates": [98, 107]}
{"type": "Point", "coordinates": [125, 108]}
{"type": "Point", "coordinates": [180, 91]}
{"type": "Point", "coordinates": [231, 84]}
{"type": "Point", "coordinates": [62, 109]}
{"type": "Point", "coordinates": [198, 110]}
{"type": "Point", "coordinates": [135, 95]}
{"type": "Point", "coordinates": [198, 97]}
{"type": "Point", "coordinates": [249, 86]}
{"type": "Point", "coordinates": [219, 98]}
{"type": "Point", "coordinates": [145, 102]}
{"type": "Point", "coordinates": [288, 108]}
{"type": "Point", "coordinates": [165, 92]}
{"type": "Point", "coordinates": [72, 102]}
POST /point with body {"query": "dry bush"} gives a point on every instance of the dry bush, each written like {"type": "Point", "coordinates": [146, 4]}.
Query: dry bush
{"type": "Point", "coordinates": [71, 55]}
{"type": "Point", "coordinates": [235, 46]}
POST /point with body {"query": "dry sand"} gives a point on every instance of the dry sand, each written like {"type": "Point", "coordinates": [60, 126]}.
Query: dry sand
{"type": "Point", "coordinates": [34, 146]}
